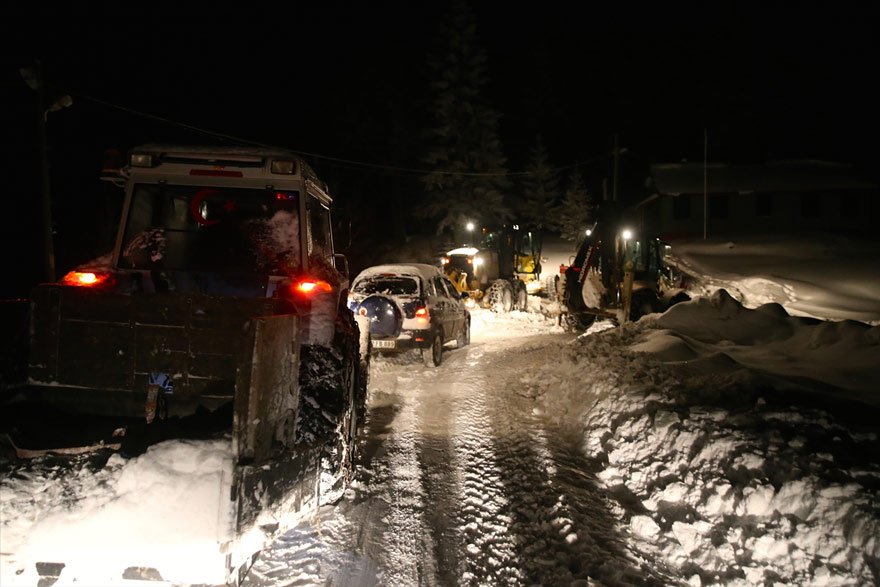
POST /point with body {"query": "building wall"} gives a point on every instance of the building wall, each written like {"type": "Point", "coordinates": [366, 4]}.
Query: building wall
{"type": "Point", "coordinates": [843, 212]}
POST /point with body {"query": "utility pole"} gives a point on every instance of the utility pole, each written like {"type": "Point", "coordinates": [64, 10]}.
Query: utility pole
{"type": "Point", "coordinates": [705, 183]}
{"type": "Point", "coordinates": [616, 165]}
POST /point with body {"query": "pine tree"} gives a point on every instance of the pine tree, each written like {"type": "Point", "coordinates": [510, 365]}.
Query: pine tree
{"type": "Point", "coordinates": [540, 189]}
{"type": "Point", "coordinates": [577, 210]}
{"type": "Point", "coordinates": [468, 178]}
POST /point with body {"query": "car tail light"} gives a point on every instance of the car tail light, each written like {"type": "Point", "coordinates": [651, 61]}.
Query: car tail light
{"type": "Point", "coordinates": [88, 279]}
{"type": "Point", "coordinates": [422, 314]}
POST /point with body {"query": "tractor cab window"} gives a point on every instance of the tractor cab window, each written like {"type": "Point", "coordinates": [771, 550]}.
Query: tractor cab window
{"type": "Point", "coordinates": [212, 229]}
{"type": "Point", "coordinates": [654, 252]}
{"type": "Point", "coordinates": [634, 252]}
{"type": "Point", "coordinates": [492, 240]}
{"type": "Point", "coordinates": [320, 242]}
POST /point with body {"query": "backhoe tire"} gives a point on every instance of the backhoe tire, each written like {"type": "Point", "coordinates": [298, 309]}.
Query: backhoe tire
{"type": "Point", "coordinates": [500, 296]}
{"type": "Point", "coordinates": [520, 296]}
{"type": "Point", "coordinates": [331, 393]}
{"type": "Point", "coordinates": [552, 289]}
{"type": "Point", "coordinates": [644, 302]}
{"type": "Point", "coordinates": [577, 322]}
{"type": "Point", "coordinates": [679, 298]}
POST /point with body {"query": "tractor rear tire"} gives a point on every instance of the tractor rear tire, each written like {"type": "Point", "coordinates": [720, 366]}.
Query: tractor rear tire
{"type": "Point", "coordinates": [332, 396]}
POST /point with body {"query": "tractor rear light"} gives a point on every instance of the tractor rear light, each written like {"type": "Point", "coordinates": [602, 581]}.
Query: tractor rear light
{"type": "Point", "coordinates": [88, 279]}
{"type": "Point", "coordinates": [310, 287]}
{"type": "Point", "coordinates": [141, 160]}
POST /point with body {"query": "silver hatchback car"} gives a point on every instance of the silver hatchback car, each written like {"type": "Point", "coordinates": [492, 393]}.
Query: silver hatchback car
{"type": "Point", "coordinates": [411, 306]}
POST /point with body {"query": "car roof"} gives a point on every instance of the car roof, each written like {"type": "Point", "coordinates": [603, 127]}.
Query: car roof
{"type": "Point", "coordinates": [423, 270]}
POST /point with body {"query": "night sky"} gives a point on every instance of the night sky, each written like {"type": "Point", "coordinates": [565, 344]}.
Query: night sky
{"type": "Point", "coordinates": [348, 85]}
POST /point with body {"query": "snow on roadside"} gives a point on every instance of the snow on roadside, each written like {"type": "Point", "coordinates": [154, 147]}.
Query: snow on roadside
{"type": "Point", "coordinates": [169, 505]}
{"type": "Point", "coordinates": [718, 477]}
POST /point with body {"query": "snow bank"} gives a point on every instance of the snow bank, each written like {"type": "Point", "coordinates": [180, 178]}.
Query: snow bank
{"type": "Point", "coordinates": [718, 477]}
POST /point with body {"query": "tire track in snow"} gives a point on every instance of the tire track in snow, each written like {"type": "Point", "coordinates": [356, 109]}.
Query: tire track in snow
{"type": "Point", "coordinates": [408, 551]}
{"type": "Point", "coordinates": [564, 520]}
{"type": "Point", "coordinates": [489, 549]}
{"type": "Point", "coordinates": [558, 520]}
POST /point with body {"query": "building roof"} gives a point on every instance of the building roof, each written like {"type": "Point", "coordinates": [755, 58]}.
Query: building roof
{"type": "Point", "coordinates": [805, 175]}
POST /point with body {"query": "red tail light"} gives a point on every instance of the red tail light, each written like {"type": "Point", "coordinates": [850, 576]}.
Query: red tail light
{"type": "Point", "coordinates": [422, 314]}
{"type": "Point", "coordinates": [88, 279]}
{"type": "Point", "coordinates": [310, 287]}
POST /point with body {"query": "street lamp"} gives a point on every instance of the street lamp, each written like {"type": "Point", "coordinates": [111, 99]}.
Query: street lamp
{"type": "Point", "coordinates": [33, 77]}
{"type": "Point", "coordinates": [469, 226]}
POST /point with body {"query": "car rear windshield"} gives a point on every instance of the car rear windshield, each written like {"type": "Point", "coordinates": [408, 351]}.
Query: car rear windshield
{"type": "Point", "coordinates": [224, 230]}
{"type": "Point", "coordinates": [389, 285]}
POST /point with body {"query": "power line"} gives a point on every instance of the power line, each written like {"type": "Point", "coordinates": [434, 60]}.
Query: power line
{"type": "Point", "coordinates": [344, 162]}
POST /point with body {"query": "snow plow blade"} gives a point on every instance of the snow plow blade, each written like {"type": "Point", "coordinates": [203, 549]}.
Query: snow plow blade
{"type": "Point", "coordinates": [233, 366]}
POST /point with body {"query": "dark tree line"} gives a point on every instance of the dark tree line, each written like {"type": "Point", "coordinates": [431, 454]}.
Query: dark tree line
{"type": "Point", "coordinates": [469, 179]}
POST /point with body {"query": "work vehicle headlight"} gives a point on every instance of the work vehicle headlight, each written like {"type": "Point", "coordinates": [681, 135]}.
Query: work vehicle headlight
{"type": "Point", "coordinates": [283, 167]}
{"type": "Point", "coordinates": [141, 159]}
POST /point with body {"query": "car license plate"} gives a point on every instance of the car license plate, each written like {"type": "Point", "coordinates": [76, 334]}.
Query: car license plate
{"type": "Point", "coordinates": [384, 344]}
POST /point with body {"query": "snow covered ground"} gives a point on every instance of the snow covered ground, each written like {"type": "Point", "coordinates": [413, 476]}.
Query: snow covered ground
{"type": "Point", "coordinates": [732, 440]}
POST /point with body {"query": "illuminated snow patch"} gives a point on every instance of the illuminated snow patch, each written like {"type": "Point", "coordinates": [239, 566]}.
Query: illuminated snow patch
{"type": "Point", "coordinates": [168, 509]}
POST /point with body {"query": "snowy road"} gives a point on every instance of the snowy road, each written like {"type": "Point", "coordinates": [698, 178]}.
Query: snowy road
{"type": "Point", "coordinates": [461, 481]}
